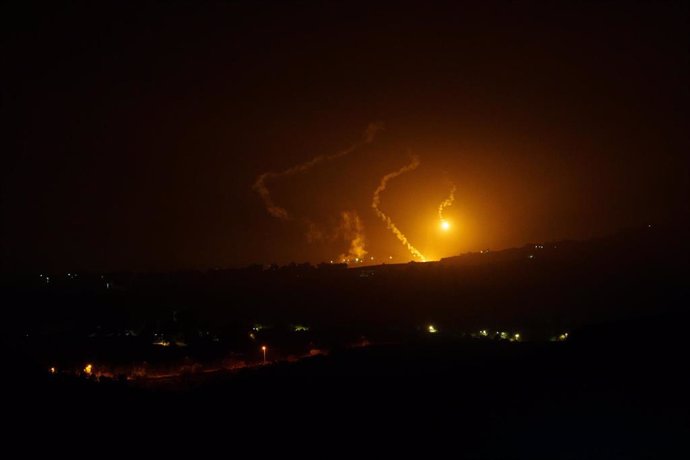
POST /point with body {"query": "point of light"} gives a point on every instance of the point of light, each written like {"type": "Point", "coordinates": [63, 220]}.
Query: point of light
{"type": "Point", "coordinates": [88, 369]}
{"type": "Point", "coordinates": [445, 225]}
{"type": "Point", "coordinates": [432, 329]}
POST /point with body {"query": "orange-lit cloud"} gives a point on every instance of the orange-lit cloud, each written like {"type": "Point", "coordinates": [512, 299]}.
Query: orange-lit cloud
{"type": "Point", "coordinates": [351, 229]}
{"type": "Point", "coordinates": [261, 187]}
{"type": "Point", "coordinates": [376, 202]}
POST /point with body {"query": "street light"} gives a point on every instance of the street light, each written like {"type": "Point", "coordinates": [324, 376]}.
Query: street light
{"type": "Point", "coordinates": [263, 348]}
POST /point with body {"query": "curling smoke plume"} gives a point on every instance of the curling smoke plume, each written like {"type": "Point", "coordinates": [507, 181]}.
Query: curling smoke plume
{"type": "Point", "coordinates": [260, 186]}
{"type": "Point", "coordinates": [446, 203]}
{"type": "Point", "coordinates": [376, 202]}
{"type": "Point", "coordinates": [352, 230]}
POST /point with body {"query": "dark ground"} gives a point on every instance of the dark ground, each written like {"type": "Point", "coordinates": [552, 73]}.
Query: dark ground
{"type": "Point", "coordinates": [614, 391]}
{"type": "Point", "coordinates": [616, 388]}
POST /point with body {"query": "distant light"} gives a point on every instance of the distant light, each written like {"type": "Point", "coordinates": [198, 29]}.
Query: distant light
{"type": "Point", "coordinates": [88, 369]}
{"type": "Point", "coordinates": [483, 332]}
{"type": "Point", "coordinates": [517, 336]}
{"type": "Point", "coordinates": [52, 370]}
{"type": "Point", "coordinates": [445, 225]}
{"type": "Point", "coordinates": [390, 257]}
{"type": "Point", "coordinates": [263, 348]}
{"type": "Point", "coordinates": [372, 257]}
{"type": "Point", "coordinates": [432, 329]}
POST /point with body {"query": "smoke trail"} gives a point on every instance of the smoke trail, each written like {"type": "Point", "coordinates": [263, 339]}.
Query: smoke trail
{"type": "Point", "coordinates": [262, 189]}
{"type": "Point", "coordinates": [447, 202]}
{"type": "Point", "coordinates": [352, 230]}
{"type": "Point", "coordinates": [376, 202]}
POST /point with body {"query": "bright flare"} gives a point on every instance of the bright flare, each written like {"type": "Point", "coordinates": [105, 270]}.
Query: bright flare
{"type": "Point", "coordinates": [445, 225]}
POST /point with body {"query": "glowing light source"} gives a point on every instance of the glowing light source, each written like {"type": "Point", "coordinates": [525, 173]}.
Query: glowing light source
{"type": "Point", "coordinates": [88, 369]}
{"type": "Point", "coordinates": [445, 225]}
{"type": "Point", "coordinates": [432, 329]}
{"type": "Point", "coordinates": [263, 348]}
{"type": "Point", "coordinates": [52, 370]}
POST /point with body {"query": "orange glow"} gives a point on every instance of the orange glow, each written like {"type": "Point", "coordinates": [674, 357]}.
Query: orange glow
{"type": "Point", "coordinates": [52, 370]}
{"type": "Point", "coordinates": [445, 225]}
{"type": "Point", "coordinates": [88, 369]}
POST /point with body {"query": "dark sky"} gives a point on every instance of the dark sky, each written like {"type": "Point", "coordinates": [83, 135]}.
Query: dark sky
{"type": "Point", "coordinates": [133, 134]}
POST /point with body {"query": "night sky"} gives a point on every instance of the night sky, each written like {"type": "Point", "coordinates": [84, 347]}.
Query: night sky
{"type": "Point", "coordinates": [133, 135]}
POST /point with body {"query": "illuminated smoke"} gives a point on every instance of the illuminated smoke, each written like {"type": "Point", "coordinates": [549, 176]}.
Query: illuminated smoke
{"type": "Point", "coordinates": [352, 230]}
{"type": "Point", "coordinates": [446, 203]}
{"type": "Point", "coordinates": [261, 187]}
{"type": "Point", "coordinates": [314, 232]}
{"type": "Point", "coordinates": [376, 202]}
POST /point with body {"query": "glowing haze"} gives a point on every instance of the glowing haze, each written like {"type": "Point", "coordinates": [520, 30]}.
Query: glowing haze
{"type": "Point", "coordinates": [205, 112]}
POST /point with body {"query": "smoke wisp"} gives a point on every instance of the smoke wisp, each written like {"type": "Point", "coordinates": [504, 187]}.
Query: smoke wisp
{"type": "Point", "coordinates": [446, 203]}
{"type": "Point", "coordinates": [261, 183]}
{"type": "Point", "coordinates": [376, 203]}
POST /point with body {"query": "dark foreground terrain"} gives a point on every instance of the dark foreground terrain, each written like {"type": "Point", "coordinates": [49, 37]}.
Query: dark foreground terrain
{"type": "Point", "coordinates": [612, 391]}
{"type": "Point", "coordinates": [401, 360]}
